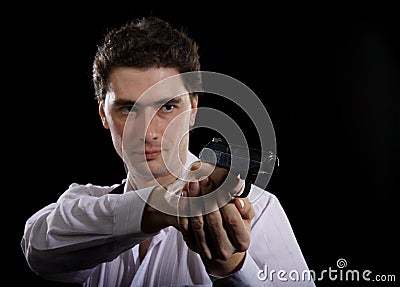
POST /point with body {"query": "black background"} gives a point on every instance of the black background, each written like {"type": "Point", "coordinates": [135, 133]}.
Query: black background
{"type": "Point", "coordinates": [328, 77]}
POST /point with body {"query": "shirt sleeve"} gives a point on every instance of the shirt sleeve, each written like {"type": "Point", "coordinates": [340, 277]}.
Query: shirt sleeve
{"type": "Point", "coordinates": [274, 257]}
{"type": "Point", "coordinates": [65, 240]}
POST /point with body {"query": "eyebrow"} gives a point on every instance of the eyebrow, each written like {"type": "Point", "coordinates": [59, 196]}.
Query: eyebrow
{"type": "Point", "coordinates": [124, 102]}
{"type": "Point", "coordinates": [175, 100]}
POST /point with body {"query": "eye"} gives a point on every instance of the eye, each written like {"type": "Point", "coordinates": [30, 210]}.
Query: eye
{"type": "Point", "coordinates": [167, 108]}
{"type": "Point", "coordinates": [126, 110]}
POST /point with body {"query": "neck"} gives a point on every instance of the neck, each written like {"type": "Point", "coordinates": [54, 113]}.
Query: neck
{"type": "Point", "coordinates": [137, 182]}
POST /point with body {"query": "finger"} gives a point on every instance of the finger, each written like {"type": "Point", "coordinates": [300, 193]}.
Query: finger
{"type": "Point", "coordinates": [221, 244]}
{"type": "Point", "coordinates": [183, 221]}
{"type": "Point", "coordinates": [219, 175]}
{"type": "Point", "coordinates": [239, 203]}
{"type": "Point", "coordinates": [244, 207]}
{"type": "Point", "coordinates": [197, 223]}
{"type": "Point", "coordinates": [196, 205]}
{"type": "Point", "coordinates": [210, 202]}
{"type": "Point", "coordinates": [195, 165]}
{"type": "Point", "coordinates": [199, 170]}
{"type": "Point", "coordinates": [183, 204]}
{"type": "Point", "coordinates": [238, 229]}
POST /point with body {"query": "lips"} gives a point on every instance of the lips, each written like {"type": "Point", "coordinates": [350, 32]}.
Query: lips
{"type": "Point", "coordinates": [151, 154]}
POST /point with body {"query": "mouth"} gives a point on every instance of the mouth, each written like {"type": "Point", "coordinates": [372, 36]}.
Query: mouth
{"type": "Point", "coordinates": [152, 154]}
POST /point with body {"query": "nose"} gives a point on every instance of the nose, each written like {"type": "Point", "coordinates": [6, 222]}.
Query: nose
{"type": "Point", "coordinates": [152, 126]}
{"type": "Point", "coordinates": [152, 133]}
{"type": "Point", "coordinates": [144, 126]}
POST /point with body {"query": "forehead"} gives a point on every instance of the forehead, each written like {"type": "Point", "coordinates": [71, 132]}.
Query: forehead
{"type": "Point", "coordinates": [145, 85]}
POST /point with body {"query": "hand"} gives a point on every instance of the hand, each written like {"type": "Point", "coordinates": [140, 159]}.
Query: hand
{"type": "Point", "coordinates": [222, 236]}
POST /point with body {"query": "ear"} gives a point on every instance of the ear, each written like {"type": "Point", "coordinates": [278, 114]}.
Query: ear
{"type": "Point", "coordinates": [193, 114]}
{"type": "Point", "coordinates": [102, 113]}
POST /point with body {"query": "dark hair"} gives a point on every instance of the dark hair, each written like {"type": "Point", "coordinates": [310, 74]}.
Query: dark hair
{"type": "Point", "coordinates": [144, 43]}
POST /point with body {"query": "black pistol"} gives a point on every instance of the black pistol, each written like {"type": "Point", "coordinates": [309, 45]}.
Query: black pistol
{"type": "Point", "coordinates": [247, 162]}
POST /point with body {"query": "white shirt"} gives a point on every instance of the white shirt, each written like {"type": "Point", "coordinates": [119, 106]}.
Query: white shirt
{"type": "Point", "coordinates": [92, 237]}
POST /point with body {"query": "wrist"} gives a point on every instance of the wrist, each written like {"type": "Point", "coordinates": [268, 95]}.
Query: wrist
{"type": "Point", "coordinates": [153, 219]}
{"type": "Point", "coordinates": [222, 268]}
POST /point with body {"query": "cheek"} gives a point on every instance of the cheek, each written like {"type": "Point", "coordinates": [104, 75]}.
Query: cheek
{"type": "Point", "coordinates": [116, 126]}
{"type": "Point", "coordinates": [117, 129]}
{"type": "Point", "coordinates": [178, 127]}
{"type": "Point", "coordinates": [176, 136]}
{"type": "Point", "coordinates": [115, 123]}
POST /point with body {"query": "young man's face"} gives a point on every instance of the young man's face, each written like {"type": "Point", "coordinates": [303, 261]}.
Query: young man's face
{"type": "Point", "coordinates": [152, 137]}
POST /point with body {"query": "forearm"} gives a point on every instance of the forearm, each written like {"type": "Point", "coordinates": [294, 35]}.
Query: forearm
{"type": "Point", "coordinates": [79, 233]}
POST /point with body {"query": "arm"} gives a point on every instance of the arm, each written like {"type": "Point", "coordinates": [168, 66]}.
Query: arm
{"type": "Point", "coordinates": [87, 226]}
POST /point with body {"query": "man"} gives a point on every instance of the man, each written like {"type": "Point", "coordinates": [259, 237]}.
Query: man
{"type": "Point", "coordinates": [96, 236]}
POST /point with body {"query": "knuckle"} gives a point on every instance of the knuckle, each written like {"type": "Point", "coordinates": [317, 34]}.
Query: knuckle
{"type": "Point", "coordinates": [196, 165]}
{"type": "Point", "coordinates": [225, 254]}
{"type": "Point", "coordinates": [242, 246]}
{"type": "Point", "coordinates": [183, 227]}
{"type": "Point", "coordinates": [232, 221]}
{"type": "Point", "coordinates": [197, 224]}
{"type": "Point", "coordinates": [213, 222]}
